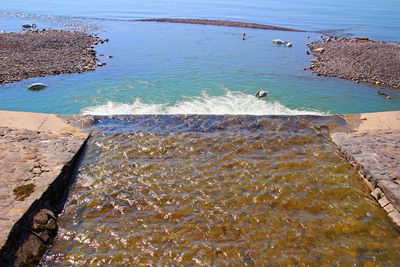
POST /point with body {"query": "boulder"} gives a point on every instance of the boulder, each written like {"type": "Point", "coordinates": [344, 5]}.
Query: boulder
{"type": "Point", "coordinates": [37, 86]}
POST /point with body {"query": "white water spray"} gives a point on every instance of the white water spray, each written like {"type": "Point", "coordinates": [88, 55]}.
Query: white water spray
{"type": "Point", "coordinates": [232, 103]}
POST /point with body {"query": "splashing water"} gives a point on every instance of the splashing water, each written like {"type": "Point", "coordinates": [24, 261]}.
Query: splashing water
{"type": "Point", "coordinates": [232, 103]}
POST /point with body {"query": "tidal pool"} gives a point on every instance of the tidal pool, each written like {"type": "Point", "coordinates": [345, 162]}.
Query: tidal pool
{"type": "Point", "coordinates": [217, 191]}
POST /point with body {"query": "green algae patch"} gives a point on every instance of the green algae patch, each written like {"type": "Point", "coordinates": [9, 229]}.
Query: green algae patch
{"type": "Point", "coordinates": [23, 191]}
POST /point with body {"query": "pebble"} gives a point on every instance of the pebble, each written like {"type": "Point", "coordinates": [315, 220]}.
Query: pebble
{"type": "Point", "coordinates": [65, 52]}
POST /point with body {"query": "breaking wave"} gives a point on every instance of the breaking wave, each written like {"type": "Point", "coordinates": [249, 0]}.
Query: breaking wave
{"type": "Point", "coordinates": [232, 103]}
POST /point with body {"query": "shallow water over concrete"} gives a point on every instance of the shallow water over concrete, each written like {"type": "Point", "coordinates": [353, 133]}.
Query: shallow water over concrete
{"type": "Point", "coordinates": [214, 190]}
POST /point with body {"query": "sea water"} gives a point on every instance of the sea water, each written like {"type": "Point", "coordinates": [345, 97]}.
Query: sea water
{"type": "Point", "coordinates": [180, 69]}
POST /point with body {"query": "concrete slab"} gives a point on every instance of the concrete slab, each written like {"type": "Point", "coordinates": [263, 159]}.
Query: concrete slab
{"type": "Point", "coordinates": [371, 142]}
{"type": "Point", "coordinates": [34, 148]}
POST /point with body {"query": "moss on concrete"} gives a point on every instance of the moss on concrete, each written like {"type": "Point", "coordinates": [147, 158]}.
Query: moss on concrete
{"type": "Point", "coordinates": [23, 191]}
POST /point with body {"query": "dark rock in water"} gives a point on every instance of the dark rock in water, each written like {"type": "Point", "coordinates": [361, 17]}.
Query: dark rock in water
{"type": "Point", "coordinates": [261, 94]}
{"type": "Point", "coordinates": [37, 86]}
{"type": "Point", "coordinates": [248, 259]}
{"type": "Point", "coordinates": [110, 56]}
{"type": "Point", "coordinates": [29, 26]}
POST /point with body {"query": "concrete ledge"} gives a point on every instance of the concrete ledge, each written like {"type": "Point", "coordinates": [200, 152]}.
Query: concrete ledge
{"type": "Point", "coordinates": [38, 122]}
{"type": "Point", "coordinates": [371, 143]}
{"type": "Point", "coordinates": [38, 153]}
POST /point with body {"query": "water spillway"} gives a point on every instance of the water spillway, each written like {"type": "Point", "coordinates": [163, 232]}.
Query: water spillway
{"type": "Point", "coordinates": [218, 190]}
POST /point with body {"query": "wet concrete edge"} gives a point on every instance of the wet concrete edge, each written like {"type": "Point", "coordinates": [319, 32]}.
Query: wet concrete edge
{"type": "Point", "coordinates": [31, 235]}
{"type": "Point", "coordinates": [385, 190]}
{"type": "Point", "coordinates": [30, 238]}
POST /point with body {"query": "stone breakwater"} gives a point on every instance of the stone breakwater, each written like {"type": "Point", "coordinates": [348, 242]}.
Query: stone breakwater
{"type": "Point", "coordinates": [37, 157]}
{"type": "Point", "coordinates": [373, 147]}
{"type": "Point", "coordinates": [359, 59]}
{"type": "Point", "coordinates": [224, 23]}
{"type": "Point", "coordinates": [47, 52]}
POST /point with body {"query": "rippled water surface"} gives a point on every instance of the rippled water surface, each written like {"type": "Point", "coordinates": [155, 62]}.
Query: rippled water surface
{"type": "Point", "coordinates": [215, 191]}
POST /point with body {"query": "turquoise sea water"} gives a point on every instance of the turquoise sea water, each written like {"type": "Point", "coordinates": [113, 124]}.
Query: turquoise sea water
{"type": "Point", "coordinates": [173, 68]}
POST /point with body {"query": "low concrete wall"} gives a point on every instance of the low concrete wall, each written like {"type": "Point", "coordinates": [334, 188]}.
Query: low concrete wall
{"type": "Point", "coordinates": [371, 143]}
{"type": "Point", "coordinates": [38, 154]}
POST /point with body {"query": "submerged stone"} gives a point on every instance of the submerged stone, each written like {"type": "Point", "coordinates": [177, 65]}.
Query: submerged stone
{"type": "Point", "coordinates": [37, 86]}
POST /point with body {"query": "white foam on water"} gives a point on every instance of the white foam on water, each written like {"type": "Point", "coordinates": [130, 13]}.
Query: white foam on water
{"type": "Point", "coordinates": [232, 103]}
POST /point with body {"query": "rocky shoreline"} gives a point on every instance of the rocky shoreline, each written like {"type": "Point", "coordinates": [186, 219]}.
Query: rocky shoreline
{"type": "Point", "coordinates": [358, 59]}
{"type": "Point", "coordinates": [45, 52]}
{"type": "Point", "coordinates": [223, 23]}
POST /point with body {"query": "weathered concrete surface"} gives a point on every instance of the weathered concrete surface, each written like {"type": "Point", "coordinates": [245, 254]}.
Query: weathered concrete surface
{"type": "Point", "coordinates": [371, 142]}
{"type": "Point", "coordinates": [34, 148]}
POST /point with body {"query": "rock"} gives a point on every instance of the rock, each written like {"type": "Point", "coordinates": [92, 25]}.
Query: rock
{"type": "Point", "coordinates": [319, 50]}
{"type": "Point", "coordinates": [44, 53]}
{"type": "Point", "coordinates": [395, 216]}
{"type": "Point", "coordinates": [261, 94]}
{"type": "Point", "coordinates": [37, 86]}
{"type": "Point", "coordinates": [289, 45]}
{"type": "Point", "coordinates": [377, 193]}
{"type": "Point", "coordinates": [29, 26]}
{"type": "Point", "coordinates": [362, 39]}
{"type": "Point", "coordinates": [36, 170]}
{"type": "Point", "coordinates": [389, 208]}
{"type": "Point", "coordinates": [383, 201]}
{"type": "Point", "coordinates": [278, 41]}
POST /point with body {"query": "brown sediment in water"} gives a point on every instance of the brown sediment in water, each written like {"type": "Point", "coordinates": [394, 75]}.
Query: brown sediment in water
{"type": "Point", "coordinates": [359, 59]}
{"type": "Point", "coordinates": [224, 23]}
{"type": "Point", "coordinates": [47, 52]}
{"type": "Point", "coordinates": [236, 191]}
